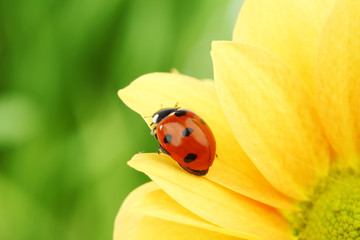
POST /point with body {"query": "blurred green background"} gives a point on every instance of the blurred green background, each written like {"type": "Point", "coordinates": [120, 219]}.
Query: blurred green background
{"type": "Point", "coordinates": [65, 137]}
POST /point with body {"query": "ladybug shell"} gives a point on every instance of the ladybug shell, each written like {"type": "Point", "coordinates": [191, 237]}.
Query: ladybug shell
{"type": "Point", "coordinates": [188, 140]}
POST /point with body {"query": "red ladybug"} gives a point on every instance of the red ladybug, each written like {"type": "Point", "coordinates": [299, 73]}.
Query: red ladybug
{"type": "Point", "coordinates": [186, 137]}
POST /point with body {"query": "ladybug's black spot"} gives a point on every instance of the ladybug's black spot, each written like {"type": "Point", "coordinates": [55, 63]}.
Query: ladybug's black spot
{"type": "Point", "coordinates": [180, 113]}
{"type": "Point", "coordinates": [187, 132]}
{"type": "Point", "coordinates": [167, 138]}
{"type": "Point", "coordinates": [190, 157]}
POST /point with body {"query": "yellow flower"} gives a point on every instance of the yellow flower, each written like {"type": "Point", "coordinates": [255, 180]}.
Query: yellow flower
{"type": "Point", "coordinates": [285, 112]}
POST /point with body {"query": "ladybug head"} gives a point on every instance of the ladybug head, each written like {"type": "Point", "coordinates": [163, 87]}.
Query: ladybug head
{"type": "Point", "coordinates": [161, 114]}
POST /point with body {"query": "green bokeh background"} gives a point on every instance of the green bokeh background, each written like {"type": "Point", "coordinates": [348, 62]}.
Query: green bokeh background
{"type": "Point", "coordinates": [65, 137]}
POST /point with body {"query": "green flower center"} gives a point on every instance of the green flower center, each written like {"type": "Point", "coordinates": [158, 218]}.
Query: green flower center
{"type": "Point", "coordinates": [334, 212]}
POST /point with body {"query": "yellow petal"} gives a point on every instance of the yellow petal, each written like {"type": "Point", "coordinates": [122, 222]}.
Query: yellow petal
{"type": "Point", "coordinates": [132, 224]}
{"type": "Point", "coordinates": [356, 104]}
{"type": "Point", "coordinates": [159, 204]}
{"type": "Point", "coordinates": [233, 168]}
{"type": "Point", "coordinates": [288, 28]}
{"type": "Point", "coordinates": [269, 110]}
{"type": "Point", "coordinates": [337, 75]}
{"type": "Point", "coordinates": [212, 202]}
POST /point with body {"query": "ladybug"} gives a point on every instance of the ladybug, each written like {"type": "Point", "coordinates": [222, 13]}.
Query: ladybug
{"type": "Point", "coordinates": [186, 137]}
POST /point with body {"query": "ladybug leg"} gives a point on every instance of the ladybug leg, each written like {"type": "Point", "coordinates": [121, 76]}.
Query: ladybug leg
{"type": "Point", "coordinates": [153, 132]}
{"type": "Point", "coordinates": [162, 150]}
